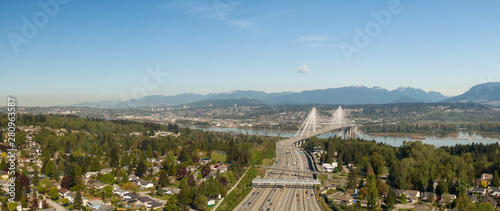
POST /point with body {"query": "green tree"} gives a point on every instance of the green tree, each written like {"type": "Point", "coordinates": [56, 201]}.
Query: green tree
{"type": "Point", "coordinates": [49, 169]}
{"type": "Point", "coordinates": [402, 199]}
{"type": "Point", "coordinates": [36, 178]}
{"type": "Point", "coordinates": [164, 180]}
{"type": "Point", "coordinates": [352, 179]}
{"type": "Point", "coordinates": [12, 206]}
{"type": "Point", "coordinates": [141, 168]}
{"type": "Point", "coordinates": [201, 202]}
{"type": "Point", "coordinates": [65, 201]}
{"type": "Point", "coordinates": [125, 160]}
{"type": "Point", "coordinates": [107, 178]}
{"type": "Point", "coordinates": [372, 196]}
{"type": "Point", "coordinates": [172, 205]}
{"type": "Point", "coordinates": [390, 199]}
{"type": "Point", "coordinates": [495, 182]}
{"type": "Point", "coordinates": [78, 171]}
{"type": "Point", "coordinates": [107, 191]}
{"type": "Point", "coordinates": [3, 164]}
{"type": "Point", "coordinates": [114, 156]}
{"type": "Point", "coordinates": [54, 193]}
{"type": "Point", "coordinates": [339, 163]}
{"type": "Point", "coordinates": [78, 202]}
{"type": "Point", "coordinates": [485, 206]}
{"type": "Point", "coordinates": [44, 185]}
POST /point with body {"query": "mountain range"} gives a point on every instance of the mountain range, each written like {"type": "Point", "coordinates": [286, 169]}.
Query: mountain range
{"type": "Point", "coordinates": [488, 93]}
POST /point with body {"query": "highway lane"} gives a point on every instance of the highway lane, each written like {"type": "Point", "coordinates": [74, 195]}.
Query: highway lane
{"type": "Point", "coordinates": [286, 198]}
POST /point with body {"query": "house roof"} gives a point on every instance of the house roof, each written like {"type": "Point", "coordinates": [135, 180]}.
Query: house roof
{"type": "Point", "coordinates": [71, 194]}
{"type": "Point", "coordinates": [105, 208]}
{"type": "Point", "coordinates": [478, 189]}
{"type": "Point", "coordinates": [63, 190]}
{"type": "Point", "coordinates": [411, 192]}
{"type": "Point", "coordinates": [145, 199]}
{"type": "Point", "coordinates": [343, 197]}
{"type": "Point", "coordinates": [488, 199]}
{"type": "Point", "coordinates": [131, 195]}
{"type": "Point", "coordinates": [96, 202]}
{"type": "Point", "coordinates": [155, 204]}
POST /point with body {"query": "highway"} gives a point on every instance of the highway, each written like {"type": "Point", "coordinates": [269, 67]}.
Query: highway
{"type": "Point", "coordinates": [291, 197]}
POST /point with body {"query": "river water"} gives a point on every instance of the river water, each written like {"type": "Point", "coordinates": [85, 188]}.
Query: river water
{"type": "Point", "coordinates": [461, 138]}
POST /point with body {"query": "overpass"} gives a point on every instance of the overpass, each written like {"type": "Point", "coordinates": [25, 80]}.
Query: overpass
{"type": "Point", "coordinates": [291, 170]}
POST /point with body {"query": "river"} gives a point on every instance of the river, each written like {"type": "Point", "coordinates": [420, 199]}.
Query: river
{"type": "Point", "coordinates": [461, 138]}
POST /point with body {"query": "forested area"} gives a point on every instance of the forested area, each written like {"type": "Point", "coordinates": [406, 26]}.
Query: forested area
{"type": "Point", "coordinates": [413, 165]}
{"type": "Point", "coordinates": [92, 144]}
{"type": "Point", "coordinates": [437, 128]}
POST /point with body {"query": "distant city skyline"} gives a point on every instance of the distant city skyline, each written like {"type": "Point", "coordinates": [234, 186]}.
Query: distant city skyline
{"type": "Point", "coordinates": [65, 52]}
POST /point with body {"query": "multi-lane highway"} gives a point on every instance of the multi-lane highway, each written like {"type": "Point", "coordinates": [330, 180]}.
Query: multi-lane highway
{"type": "Point", "coordinates": [288, 197]}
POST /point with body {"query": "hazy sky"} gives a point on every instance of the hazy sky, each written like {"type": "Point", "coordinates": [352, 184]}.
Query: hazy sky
{"type": "Point", "coordinates": [75, 51]}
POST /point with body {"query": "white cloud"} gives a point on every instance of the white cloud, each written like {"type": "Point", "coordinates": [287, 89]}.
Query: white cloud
{"type": "Point", "coordinates": [304, 69]}
{"type": "Point", "coordinates": [242, 23]}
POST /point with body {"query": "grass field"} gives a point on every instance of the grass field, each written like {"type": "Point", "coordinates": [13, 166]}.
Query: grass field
{"type": "Point", "coordinates": [240, 192]}
{"type": "Point", "coordinates": [267, 162]}
{"type": "Point", "coordinates": [219, 157]}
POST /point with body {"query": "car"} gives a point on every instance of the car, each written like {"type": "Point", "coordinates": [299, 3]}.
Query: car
{"type": "Point", "coordinates": [249, 202]}
{"type": "Point", "coordinates": [307, 197]}
{"type": "Point", "coordinates": [298, 199]}
{"type": "Point", "coordinates": [244, 204]}
{"type": "Point", "coordinates": [311, 194]}
{"type": "Point", "coordinates": [253, 193]}
{"type": "Point", "coordinates": [269, 200]}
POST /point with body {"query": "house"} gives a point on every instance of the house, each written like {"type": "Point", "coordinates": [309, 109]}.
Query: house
{"type": "Point", "coordinates": [317, 149]}
{"type": "Point", "coordinates": [171, 191]}
{"type": "Point", "coordinates": [105, 208]}
{"type": "Point", "coordinates": [56, 184]}
{"type": "Point", "coordinates": [447, 198]}
{"type": "Point", "coordinates": [487, 177]}
{"type": "Point", "coordinates": [70, 196]}
{"type": "Point", "coordinates": [210, 203]}
{"type": "Point", "coordinates": [223, 168]}
{"type": "Point", "coordinates": [489, 200]}
{"type": "Point", "coordinates": [343, 199]}
{"type": "Point", "coordinates": [425, 196]}
{"type": "Point", "coordinates": [205, 161]}
{"type": "Point", "coordinates": [145, 184]}
{"type": "Point", "coordinates": [99, 185]}
{"type": "Point", "coordinates": [95, 204]}
{"type": "Point", "coordinates": [120, 192]}
{"type": "Point", "coordinates": [495, 192]}
{"type": "Point", "coordinates": [326, 167]}
{"type": "Point", "coordinates": [4, 175]}
{"type": "Point", "coordinates": [105, 171]}
{"type": "Point", "coordinates": [143, 200]}
{"type": "Point", "coordinates": [154, 205]}
{"type": "Point", "coordinates": [92, 173]}
{"type": "Point", "coordinates": [3, 184]}
{"type": "Point", "coordinates": [191, 168]}
{"type": "Point", "coordinates": [480, 191]}
{"type": "Point", "coordinates": [412, 193]}
{"type": "Point", "coordinates": [130, 198]}
{"type": "Point", "coordinates": [62, 191]}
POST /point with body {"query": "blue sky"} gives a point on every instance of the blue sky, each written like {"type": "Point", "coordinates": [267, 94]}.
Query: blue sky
{"type": "Point", "coordinates": [98, 50]}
